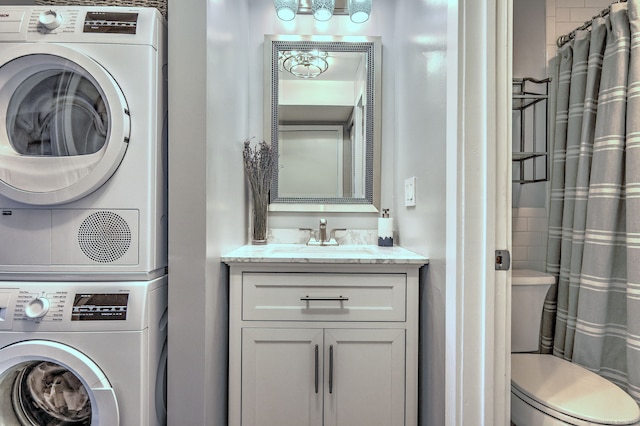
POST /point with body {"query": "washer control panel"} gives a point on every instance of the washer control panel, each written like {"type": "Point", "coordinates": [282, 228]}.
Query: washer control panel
{"type": "Point", "coordinates": [52, 21]}
{"type": "Point", "coordinates": [127, 25]}
{"type": "Point", "coordinates": [110, 22]}
{"type": "Point", "coordinates": [74, 306]}
{"type": "Point", "coordinates": [44, 306]}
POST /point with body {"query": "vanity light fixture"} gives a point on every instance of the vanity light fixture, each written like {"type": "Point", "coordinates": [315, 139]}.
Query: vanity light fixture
{"type": "Point", "coordinates": [359, 10]}
{"type": "Point", "coordinates": [308, 64]}
{"type": "Point", "coordinates": [286, 9]}
{"type": "Point", "coordinates": [323, 9]}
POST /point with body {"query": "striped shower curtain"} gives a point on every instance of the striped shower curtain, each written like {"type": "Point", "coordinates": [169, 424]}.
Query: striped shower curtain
{"type": "Point", "coordinates": [592, 316]}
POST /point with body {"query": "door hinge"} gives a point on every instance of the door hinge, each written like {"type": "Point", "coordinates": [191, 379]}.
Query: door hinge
{"type": "Point", "coordinates": [503, 260]}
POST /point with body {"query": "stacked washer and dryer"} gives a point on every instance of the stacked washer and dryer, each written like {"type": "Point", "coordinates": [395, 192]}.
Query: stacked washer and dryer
{"type": "Point", "coordinates": [83, 216]}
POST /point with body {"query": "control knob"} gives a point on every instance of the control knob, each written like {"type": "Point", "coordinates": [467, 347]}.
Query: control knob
{"type": "Point", "coordinates": [50, 19]}
{"type": "Point", "coordinates": [37, 308]}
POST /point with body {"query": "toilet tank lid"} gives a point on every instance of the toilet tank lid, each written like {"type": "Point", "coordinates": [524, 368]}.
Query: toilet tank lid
{"type": "Point", "coordinates": [572, 390]}
{"type": "Point", "coordinates": [531, 277]}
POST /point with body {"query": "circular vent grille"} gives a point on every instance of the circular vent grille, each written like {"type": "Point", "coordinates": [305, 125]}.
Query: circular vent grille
{"type": "Point", "coordinates": [104, 237]}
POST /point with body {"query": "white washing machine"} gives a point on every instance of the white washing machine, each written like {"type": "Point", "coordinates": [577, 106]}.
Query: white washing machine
{"type": "Point", "coordinates": [83, 171]}
{"type": "Point", "coordinates": [83, 353]}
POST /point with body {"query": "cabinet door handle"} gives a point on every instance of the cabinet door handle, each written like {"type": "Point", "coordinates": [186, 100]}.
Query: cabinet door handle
{"type": "Point", "coordinates": [337, 299]}
{"type": "Point", "coordinates": [331, 369]}
{"type": "Point", "coordinates": [317, 369]}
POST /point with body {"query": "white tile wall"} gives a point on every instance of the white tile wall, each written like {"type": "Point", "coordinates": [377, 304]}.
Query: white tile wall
{"type": "Point", "coordinates": [529, 238]}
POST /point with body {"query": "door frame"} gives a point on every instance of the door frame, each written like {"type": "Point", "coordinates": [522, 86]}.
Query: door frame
{"type": "Point", "coordinates": [479, 192]}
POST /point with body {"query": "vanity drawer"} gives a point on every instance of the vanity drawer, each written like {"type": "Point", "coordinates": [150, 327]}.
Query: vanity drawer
{"type": "Point", "coordinates": [323, 297]}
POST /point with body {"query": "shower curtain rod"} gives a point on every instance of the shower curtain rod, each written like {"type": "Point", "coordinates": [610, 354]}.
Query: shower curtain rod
{"type": "Point", "coordinates": [564, 39]}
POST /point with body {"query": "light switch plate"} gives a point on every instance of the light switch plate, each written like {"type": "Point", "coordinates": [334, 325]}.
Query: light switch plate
{"type": "Point", "coordinates": [410, 191]}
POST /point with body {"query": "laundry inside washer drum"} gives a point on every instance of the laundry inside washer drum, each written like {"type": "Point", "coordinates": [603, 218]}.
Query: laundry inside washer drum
{"type": "Point", "coordinates": [46, 393]}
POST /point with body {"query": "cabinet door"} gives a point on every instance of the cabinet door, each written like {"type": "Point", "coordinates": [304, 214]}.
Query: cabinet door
{"type": "Point", "coordinates": [281, 377]}
{"type": "Point", "coordinates": [364, 377]}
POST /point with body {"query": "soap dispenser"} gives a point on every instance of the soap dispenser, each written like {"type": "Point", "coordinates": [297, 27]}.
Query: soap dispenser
{"type": "Point", "coordinates": [385, 229]}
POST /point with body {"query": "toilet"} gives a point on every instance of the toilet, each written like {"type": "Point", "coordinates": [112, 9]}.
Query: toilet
{"type": "Point", "coordinates": [547, 390]}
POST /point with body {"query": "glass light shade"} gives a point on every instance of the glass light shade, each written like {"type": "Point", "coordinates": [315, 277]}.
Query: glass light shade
{"type": "Point", "coordinates": [359, 10]}
{"type": "Point", "coordinates": [286, 9]}
{"type": "Point", "coordinates": [322, 9]}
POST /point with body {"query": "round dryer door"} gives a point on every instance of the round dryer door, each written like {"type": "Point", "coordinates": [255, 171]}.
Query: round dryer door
{"type": "Point", "coordinates": [47, 383]}
{"type": "Point", "coordinates": [64, 124]}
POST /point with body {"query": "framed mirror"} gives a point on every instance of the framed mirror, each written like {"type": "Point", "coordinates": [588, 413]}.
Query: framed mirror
{"type": "Point", "coordinates": [323, 114]}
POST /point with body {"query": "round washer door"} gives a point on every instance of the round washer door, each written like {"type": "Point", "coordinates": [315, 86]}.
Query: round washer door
{"type": "Point", "coordinates": [64, 124]}
{"type": "Point", "coordinates": [44, 382]}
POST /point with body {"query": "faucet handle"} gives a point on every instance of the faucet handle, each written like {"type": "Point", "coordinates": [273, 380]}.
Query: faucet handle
{"type": "Point", "coordinates": [312, 236]}
{"type": "Point", "coordinates": [311, 231]}
{"type": "Point", "coordinates": [323, 222]}
{"type": "Point", "coordinates": [332, 234]}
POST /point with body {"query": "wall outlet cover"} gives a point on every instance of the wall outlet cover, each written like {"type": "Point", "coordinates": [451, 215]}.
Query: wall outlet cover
{"type": "Point", "coordinates": [410, 191]}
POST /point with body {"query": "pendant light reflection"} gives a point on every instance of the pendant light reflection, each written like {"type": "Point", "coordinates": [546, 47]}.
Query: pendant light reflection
{"type": "Point", "coordinates": [322, 9]}
{"type": "Point", "coordinates": [286, 9]}
{"type": "Point", "coordinates": [359, 10]}
{"type": "Point", "coordinates": [308, 64]}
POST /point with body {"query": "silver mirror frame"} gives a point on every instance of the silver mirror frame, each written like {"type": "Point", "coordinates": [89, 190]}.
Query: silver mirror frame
{"type": "Point", "coordinates": [372, 46]}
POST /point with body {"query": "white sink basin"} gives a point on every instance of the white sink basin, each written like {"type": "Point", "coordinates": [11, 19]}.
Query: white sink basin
{"type": "Point", "coordinates": [299, 250]}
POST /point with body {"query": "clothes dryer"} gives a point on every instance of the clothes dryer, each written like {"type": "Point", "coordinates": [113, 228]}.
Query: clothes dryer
{"type": "Point", "coordinates": [82, 143]}
{"type": "Point", "coordinates": [83, 353]}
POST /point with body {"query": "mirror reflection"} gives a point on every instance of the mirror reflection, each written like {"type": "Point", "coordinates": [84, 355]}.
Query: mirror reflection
{"type": "Point", "coordinates": [321, 115]}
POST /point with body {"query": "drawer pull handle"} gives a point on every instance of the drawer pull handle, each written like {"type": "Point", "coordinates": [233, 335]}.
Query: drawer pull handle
{"type": "Point", "coordinates": [324, 299]}
{"type": "Point", "coordinates": [317, 369]}
{"type": "Point", "coordinates": [331, 369]}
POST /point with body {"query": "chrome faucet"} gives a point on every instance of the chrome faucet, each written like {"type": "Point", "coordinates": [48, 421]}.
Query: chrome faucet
{"type": "Point", "coordinates": [321, 239]}
{"type": "Point", "coordinates": [322, 231]}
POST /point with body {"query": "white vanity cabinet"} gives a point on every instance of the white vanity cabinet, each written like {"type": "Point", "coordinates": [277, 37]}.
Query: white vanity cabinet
{"type": "Point", "coordinates": [323, 341]}
{"type": "Point", "coordinates": [302, 376]}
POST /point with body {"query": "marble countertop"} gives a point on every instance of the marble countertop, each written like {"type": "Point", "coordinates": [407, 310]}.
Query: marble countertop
{"type": "Point", "coordinates": [344, 254]}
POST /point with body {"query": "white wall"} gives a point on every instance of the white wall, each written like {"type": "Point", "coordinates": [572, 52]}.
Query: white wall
{"type": "Point", "coordinates": [208, 112]}
{"type": "Point", "coordinates": [420, 151]}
